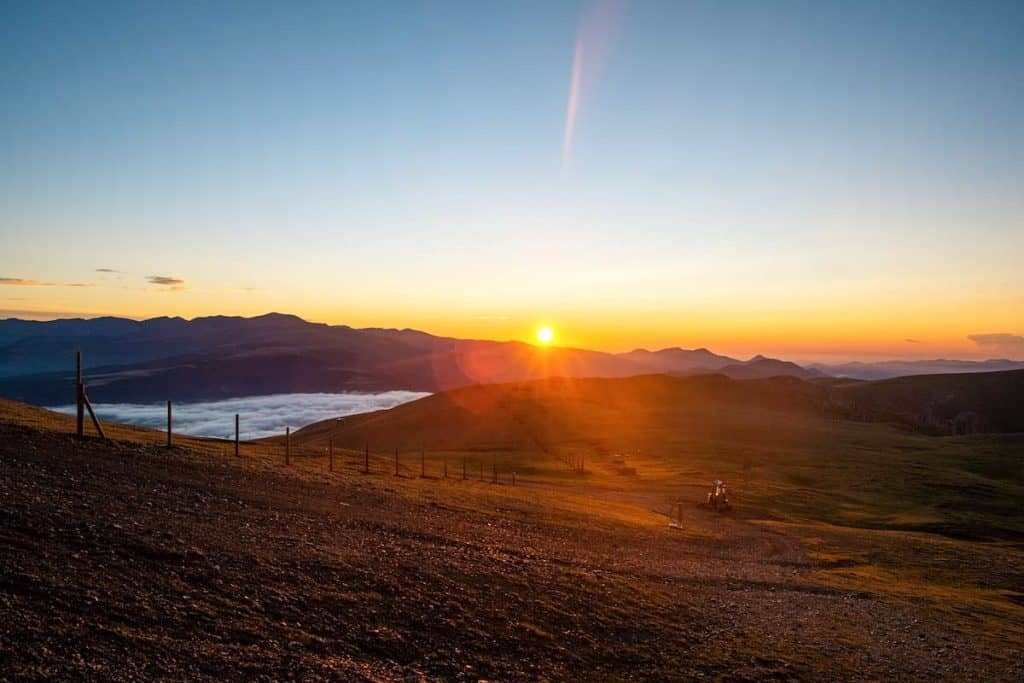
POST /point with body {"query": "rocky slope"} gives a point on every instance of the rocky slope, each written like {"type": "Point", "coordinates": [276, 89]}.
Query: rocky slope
{"type": "Point", "coordinates": [121, 561]}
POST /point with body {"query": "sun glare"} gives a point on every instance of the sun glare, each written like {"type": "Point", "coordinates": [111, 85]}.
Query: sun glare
{"type": "Point", "coordinates": [545, 335]}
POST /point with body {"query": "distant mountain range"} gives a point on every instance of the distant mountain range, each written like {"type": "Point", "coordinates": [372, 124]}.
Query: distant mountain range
{"type": "Point", "coordinates": [904, 368]}
{"type": "Point", "coordinates": [223, 357]}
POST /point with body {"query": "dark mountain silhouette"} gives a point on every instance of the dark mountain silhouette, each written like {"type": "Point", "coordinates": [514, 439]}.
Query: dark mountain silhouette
{"type": "Point", "coordinates": [225, 356]}
{"type": "Point", "coordinates": [760, 367]}
{"type": "Point", "coordinates": [903, 368]}
{"type": "Point", "coordinates": [678, 360]}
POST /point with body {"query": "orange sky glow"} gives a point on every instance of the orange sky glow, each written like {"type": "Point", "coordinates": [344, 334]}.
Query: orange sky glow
{"type": "Point", "coordinates": [805, 328]}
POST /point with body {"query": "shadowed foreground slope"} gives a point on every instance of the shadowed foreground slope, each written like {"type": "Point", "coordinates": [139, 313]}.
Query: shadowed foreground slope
{"type": "Point", "coordinates": [120, 560]}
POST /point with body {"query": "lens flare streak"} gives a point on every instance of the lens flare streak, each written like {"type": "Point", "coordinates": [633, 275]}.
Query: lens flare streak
{"type": "Point", "coordinates": [598, 28]}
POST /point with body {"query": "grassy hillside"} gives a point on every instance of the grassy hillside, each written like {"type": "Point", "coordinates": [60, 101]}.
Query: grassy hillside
{"type": "Point", "coordinates": [957, 403]}
{"type": "Point", "coordinates": [609, 414]}
{"type": "Point", "coordinates": [777, 440]}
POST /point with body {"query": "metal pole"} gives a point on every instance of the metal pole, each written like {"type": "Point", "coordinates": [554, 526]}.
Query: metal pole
{"type": "Point", "coordinates": [170, 438]}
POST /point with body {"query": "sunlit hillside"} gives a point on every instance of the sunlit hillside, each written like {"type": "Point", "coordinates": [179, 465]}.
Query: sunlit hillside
{"type": "Point", "coordinates": [794, 448]}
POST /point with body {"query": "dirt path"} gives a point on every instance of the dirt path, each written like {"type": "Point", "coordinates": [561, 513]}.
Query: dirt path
{"type": "Point", "coordinates": [739, 539]}
{"type": "Point", "coordinates": [121, 562]}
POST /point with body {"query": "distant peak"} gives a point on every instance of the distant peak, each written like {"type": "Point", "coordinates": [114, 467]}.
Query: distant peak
{"type": "Point", "coordinates": [278, 316]}
{"type": "Point", "coordinates": [679, 349]}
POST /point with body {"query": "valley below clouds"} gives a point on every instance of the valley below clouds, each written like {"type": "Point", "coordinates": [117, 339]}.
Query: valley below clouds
{"type": "Point", "coordinates": [260, 416]}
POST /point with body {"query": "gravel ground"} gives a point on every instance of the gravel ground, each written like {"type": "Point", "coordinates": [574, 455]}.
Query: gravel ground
{"type": "Point", "coordinates": [121, 561]}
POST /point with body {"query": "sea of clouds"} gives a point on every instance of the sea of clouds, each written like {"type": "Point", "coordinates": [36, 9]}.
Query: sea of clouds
{"type": "Point", "coordinates": [259, 415]}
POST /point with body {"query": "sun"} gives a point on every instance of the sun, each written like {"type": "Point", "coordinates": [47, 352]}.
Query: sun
{"type": "Point", "coordinates": [545, 334]}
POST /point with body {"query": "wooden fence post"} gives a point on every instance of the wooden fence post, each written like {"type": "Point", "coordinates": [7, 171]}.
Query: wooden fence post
{"type": "Point", "coordinates": [513, 478]}
{"type": "Point", "coordinates": [396, 462]}
{"type": "Point", "coordinates": [330, 456]}
{"type": "Point", "coordinates": [423, 463]}
{"type": "Point", "coordinates": [236, 435]}
{"type": "Point", "coordinates": [287, 445]}
{"type": "Point", "coordinates": [82, 403]}
{"type": "Point", "coordinates": [79, 392]}
{"type": "Point", "coordinates": [92, 414]}
{"type": "Point", "coordinates": [366, 459]}
{"type": "Point", "coordinates": [445, 466]}
{"type": "Point", "coordinates": [481, 470]}
{"type": "Point", "coordinates": [494, 473]}
{"type": "Point", "coordinates": [170, 437]}
{"type": "Point", "coordinates": [463, 468]}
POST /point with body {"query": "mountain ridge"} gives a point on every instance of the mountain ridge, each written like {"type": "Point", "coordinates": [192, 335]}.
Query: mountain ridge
{"type": "Point", "coordinates": [221, 356]}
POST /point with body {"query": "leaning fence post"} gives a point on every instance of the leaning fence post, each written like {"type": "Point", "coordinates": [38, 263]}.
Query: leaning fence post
{"type": "Point", "coordinates": [79, 392]}
{"type": "Point", "coordinates": [287, 445]}
{"type": "Point", "coordinates": [236, 435]}
{"type": "Point", "coordinates": [170, 438]}
{"type": "Point", "coordinates": [92, 415]}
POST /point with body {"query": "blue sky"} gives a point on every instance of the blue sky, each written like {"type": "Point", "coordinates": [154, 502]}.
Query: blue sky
{"type": "Point", "coordinates": [750, 175]}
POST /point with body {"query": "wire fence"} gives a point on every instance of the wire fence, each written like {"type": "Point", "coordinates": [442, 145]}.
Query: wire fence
{"type": "Point", "coordinates": [401, 463]}
{"type": "Point", "coordinates": [404, 464]}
